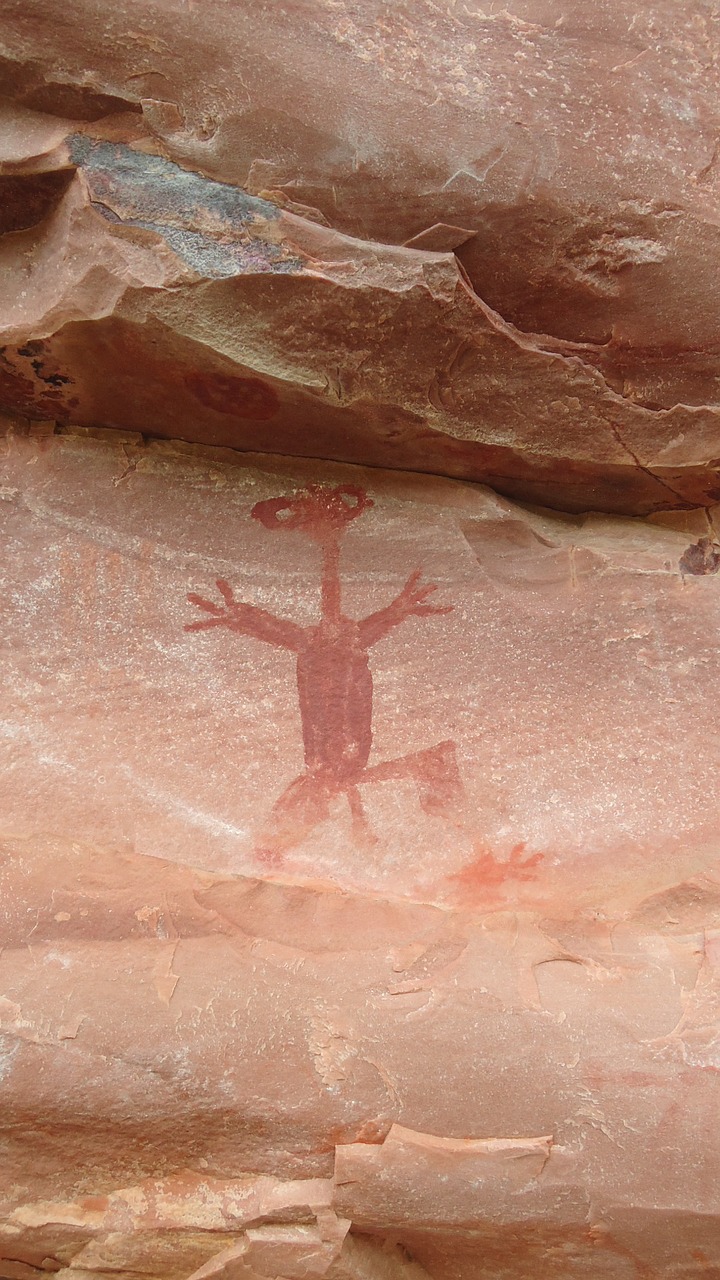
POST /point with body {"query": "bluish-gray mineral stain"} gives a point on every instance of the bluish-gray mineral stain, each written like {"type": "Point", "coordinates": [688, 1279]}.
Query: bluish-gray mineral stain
{"type": "Point", "coordinates": [148, 191]}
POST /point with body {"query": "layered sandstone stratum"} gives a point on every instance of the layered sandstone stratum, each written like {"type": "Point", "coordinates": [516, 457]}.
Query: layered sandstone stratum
{"type": "Point", "coordinates": [359, 503]}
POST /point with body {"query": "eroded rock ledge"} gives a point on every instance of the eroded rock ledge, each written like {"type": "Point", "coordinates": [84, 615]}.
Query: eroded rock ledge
{"type": "Point", "coordinates": [512, 1199]}
{"type": "Point", "coordinates": [478, 244]}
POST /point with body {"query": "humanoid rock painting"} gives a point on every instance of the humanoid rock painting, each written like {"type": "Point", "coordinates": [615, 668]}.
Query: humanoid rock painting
{"type": "Point", "coordinates": [334, 681]}
{"type": "Point", "coordinates": [401, 686]}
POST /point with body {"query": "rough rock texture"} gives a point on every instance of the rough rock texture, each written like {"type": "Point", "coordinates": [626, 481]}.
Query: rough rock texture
{"type": "Point", "coordinates": [360, 515]}
{"type": "Point", "coordinates": [357, 922]}
{"type": "Point", "coordinates": [498, 225]}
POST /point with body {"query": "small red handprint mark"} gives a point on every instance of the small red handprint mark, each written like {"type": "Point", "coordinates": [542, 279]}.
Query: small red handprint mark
{"type": "Point", "coordinates": [486, 874]}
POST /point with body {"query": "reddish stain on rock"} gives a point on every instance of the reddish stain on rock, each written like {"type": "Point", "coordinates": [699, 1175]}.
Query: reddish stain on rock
{"type": "Point", "coordinates": [487, 872]}
{"type": "Point", "coordinates": [20, 395]}
{"type": "Point", "coordinates": [97, 1204]}
{"type": "Point", "coordinates": [239, 397]}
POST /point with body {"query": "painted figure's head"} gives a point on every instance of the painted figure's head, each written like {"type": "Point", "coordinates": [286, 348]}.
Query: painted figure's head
{"type": "Point", "coordinates": [321, 514]}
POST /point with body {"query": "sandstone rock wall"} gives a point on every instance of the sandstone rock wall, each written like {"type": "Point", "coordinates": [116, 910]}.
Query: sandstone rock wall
{"type": "Point", "coordinates": [498, 226]}
{"type": "Point", "coordinates": [360, 910]}
{"type": "Point", "coordinates": [260, 908]}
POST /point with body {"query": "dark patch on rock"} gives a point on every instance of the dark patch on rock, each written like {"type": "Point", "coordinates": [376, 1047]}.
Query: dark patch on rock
{"type": "Point", "coordinates": [701, 557]}
{"type": "Point", "coordinates": [241, 397]}
{"type": "Point", "coordinates": [26, 199]}
{"type": "Point", "coordinates": [26, 83]}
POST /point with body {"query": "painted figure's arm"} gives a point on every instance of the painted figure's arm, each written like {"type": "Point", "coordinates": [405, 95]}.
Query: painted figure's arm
{"type": "Point", "coordinates": [247, 619]}
{"type": "Point", "coordinates": [410, 602]}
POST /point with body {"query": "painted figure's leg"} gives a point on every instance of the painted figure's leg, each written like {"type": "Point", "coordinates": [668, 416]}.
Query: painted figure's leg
{"type": "Point", "coordinates": [436, 773]}
{"type": "Point", "coordinates": [361, 829]}
{"type": "Point", "coordinates": [300, 808]}
{"type": "Point", "coordinates": [440, 788]}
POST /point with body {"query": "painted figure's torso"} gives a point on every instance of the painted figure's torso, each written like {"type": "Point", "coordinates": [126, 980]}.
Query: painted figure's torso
{"type": "Point", "coordinates": [335, 694]}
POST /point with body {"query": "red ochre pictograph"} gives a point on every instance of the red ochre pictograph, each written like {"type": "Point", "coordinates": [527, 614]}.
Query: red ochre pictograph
{"type": "Point", "coordinates": [335, 687]}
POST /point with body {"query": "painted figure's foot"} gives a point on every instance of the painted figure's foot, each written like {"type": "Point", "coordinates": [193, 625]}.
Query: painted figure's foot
{"type": "Point", "coordinates": [298, 811]}
{"type": "Point", "coordinates": [363, 834]}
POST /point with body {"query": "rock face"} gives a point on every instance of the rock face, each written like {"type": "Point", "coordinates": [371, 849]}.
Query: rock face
{"type": "Point", "coordinates": [500, 229]}
{"type": "Point", "coordinates": [360, 887]}
{"type": "Point", "coordinates": [359, 501]}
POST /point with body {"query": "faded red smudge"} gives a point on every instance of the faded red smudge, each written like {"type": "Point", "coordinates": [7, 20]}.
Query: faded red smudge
{"type": "Point", "coordinates": [334, 681]}
{"type": "Point", "coordinates": [598, 1077]}
{"type": "Point", "coordinates": [96, 1204]}
{"type": "Point", "coordinates": [239, 397]}
{"type": "Point", "coordinates": [488, 872]}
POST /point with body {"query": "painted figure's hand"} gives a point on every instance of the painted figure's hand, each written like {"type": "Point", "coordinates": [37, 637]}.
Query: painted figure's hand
{"type": "Point", "coordinates": [226, 617]}
{"type": "Point", "coordinates": [412, 602]}
{"type": "Point", "coordinates": [247, 620]}
{"type": "Point", "coordinates": [413, 596]}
